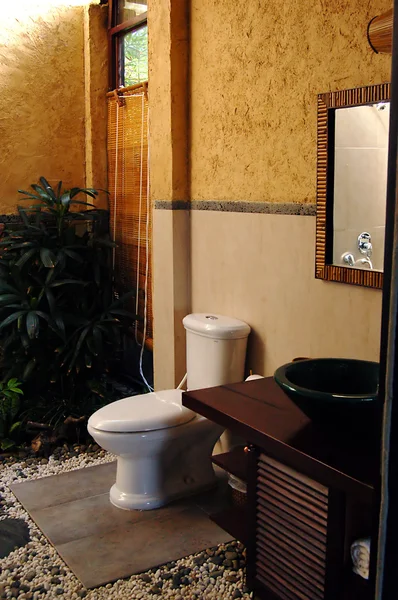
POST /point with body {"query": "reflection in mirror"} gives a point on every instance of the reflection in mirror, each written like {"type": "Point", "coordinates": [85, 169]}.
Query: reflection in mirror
{"type": "Point", "coordinates": [127, 10]}
{"type": "Point", "coordinates": [352, 161]}
{"type": "Point", "coordinates": [360, 181]}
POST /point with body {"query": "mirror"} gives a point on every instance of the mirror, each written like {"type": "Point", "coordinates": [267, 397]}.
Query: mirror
{"type": "Point", "coordinates": [351, 184]}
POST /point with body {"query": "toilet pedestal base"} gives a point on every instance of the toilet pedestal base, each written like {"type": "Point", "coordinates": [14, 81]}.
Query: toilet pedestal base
{"type": "Point", "coordinates": [172, 467]}
{"type": "Point", "coordinates": [144, 502]}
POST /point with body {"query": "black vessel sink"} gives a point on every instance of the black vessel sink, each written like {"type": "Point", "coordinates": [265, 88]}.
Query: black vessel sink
{"type": "Point", "coordinates": [331, 388]}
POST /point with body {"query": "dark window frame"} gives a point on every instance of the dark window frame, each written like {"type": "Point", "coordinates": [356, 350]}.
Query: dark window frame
{"type": "Point", "coordinates": [115, 32]}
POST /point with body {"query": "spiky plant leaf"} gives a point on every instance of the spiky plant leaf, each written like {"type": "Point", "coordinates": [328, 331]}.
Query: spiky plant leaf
{"type": "Point", "coordinates": [32, 324]}
{"type": "Point", "coordinates": [48, 258]}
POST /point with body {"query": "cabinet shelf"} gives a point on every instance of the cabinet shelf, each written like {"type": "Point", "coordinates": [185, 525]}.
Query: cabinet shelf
{"type": "Point", "coordinates": [233, 520]}
{"type": "Point", "coordinates": [234, 462]}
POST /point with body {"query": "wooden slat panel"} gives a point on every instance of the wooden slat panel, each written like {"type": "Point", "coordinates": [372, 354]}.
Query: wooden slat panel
{"type": "Point", "coordinates": [300, 589]}
{"type": "Point", "coordinates": [306, 558]}
{"type": "Point", "coordinates": [292, 566]}
{"type": "Point", "coordinates": [266, 499]}
{"type": "Point", "coordinates": [298, 478]}
{"type": "Point", "coordinates": [315, 548]}
{"type": "Point", "coordinates": [295, 502]}
{"type": "Point", "coordinates": [287, 484]}
{"type": "Point", "coordinates": [281, 590]}
{"type": "Point", "coordinates": [267, 513]}
{"type": "Point", "coordinates": [273, 563]}
{"type": "Point", "coordinates": [129, 203]}
{"type": "Point", "coordinates": [291, 532]}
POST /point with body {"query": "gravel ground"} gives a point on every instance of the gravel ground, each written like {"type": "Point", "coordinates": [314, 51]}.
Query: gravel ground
{"type": "Point", "coordinates": [35, 571]}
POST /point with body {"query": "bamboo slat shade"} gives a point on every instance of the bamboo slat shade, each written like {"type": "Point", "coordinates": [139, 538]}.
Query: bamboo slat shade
{"type": "Point", "coordinates": [130, 211]}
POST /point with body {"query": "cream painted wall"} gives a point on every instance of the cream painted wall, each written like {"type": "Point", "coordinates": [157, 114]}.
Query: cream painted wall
{"type": "Point", "coordinates": [43, 126]}
{"type": "Point", "coordinates": [260, 268]}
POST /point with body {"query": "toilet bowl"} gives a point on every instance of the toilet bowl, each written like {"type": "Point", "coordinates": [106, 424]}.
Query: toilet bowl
{"type": "Point", "coordinates": [163, 449]}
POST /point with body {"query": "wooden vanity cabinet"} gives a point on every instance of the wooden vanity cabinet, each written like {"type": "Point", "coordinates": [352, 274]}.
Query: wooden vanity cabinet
{"type": "Point", "coordinates": [309, 495]}
{"type": "Point", "coordinates": [297, 547]}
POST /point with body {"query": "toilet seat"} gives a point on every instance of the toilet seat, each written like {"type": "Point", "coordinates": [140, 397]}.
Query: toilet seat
{"type": "Point", "coordinates": [145, 412]}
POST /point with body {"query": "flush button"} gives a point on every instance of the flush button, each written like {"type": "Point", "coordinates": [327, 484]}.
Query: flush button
{"type": "Point", "coordinates": [211, 318]}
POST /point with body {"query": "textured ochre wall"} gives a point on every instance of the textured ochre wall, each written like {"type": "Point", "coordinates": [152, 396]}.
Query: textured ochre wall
{"type": "Point", "coordinates": [96, 87]}
{"type": "Point", "coordinates": [256, 69]}
{"type": "Point", "coordinates": [168, 125]}
{"type": "Point", "coordinates": [42, 95]}
{"type": "Point", "coordinates": [168, 97]}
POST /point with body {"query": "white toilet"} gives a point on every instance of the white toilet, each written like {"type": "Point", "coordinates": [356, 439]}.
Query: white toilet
{"type": "Point", "coordinates": [164, 449]}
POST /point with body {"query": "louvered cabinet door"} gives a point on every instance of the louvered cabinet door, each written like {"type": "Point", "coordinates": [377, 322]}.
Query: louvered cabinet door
{"type": "Point", "coordinates": [299, 534]}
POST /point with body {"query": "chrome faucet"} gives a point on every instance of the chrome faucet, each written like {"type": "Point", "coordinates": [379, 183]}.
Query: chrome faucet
{"type": "Point", "coordinates": [348, 259]}
{"type": "Point", "coordinates": [364, 245]}
{"type": "Point", "coordinates": [365, 261]}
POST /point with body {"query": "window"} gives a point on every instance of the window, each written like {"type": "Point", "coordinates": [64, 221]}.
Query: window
{"type": "Point", "coordinates": [128, 42]}
{"type": "Point", "coordinates": [134, 56]}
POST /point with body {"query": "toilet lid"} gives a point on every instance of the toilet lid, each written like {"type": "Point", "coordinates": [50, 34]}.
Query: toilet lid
{"type": "Point", "coordinates": [146, 412]}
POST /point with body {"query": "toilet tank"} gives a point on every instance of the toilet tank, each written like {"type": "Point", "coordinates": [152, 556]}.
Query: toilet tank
{"type": "Point", "coordinates": [216, 349]}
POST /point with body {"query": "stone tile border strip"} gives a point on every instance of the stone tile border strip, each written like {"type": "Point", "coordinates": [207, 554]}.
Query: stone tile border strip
{"type": "Point", "coordinates": [271, 208]}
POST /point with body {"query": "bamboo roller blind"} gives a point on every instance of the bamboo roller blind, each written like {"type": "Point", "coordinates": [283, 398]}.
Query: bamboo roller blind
{"type": "Point", "coordinates": [130, 211]}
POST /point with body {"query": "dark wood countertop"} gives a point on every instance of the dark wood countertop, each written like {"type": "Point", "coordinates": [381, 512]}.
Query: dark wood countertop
{"type": "Point", "coordinates": [261, 413]}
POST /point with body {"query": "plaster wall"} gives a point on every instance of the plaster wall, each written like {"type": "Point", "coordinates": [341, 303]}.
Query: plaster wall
{"type": "Point", "coordinates": [42, 96]}
{"type": "Point", "coordinates": [256, 70]}
{"type": "Point", "coordinates": [169, 180]}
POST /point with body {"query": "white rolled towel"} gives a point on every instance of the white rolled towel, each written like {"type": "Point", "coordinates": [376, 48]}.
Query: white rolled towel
{"type": "Point", "coordinates": [254, 376]}
{"type": "Point", "coordinates": [360, 554]}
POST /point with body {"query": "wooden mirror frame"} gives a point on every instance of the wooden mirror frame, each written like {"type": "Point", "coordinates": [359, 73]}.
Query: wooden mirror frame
{"type": "Point", "coordinates": [325, 165]}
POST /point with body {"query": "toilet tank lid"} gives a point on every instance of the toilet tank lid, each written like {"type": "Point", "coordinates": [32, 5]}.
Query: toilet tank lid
{"type": "Point", "coordinates": [216, 326]}
{"type": "Point", "coordinates": [146, 412]}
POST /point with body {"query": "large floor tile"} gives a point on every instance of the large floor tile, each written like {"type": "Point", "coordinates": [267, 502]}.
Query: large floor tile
{"type": "Point", "coordinates": [90, 516]}
{"type": "Point", "coordinates": [66, 487]}
{"type": "Point", "coordinates": [138, 547]}
{"type": "Point", "coordinates": [102, 543]}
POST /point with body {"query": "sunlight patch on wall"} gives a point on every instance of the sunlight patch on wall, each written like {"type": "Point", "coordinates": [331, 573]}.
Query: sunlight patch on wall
{"type": "Point", "coordinates": [41, 95]}
{"type": "Point", "coordinates": [24, 14]}
{"type": "Point", "coordinates": [24, 7]}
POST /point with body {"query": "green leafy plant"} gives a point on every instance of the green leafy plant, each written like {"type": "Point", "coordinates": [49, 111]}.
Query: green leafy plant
{"type": "Point", "coordinates": [10, 404]}
{"type": "Point", "coordinates": [61, 319]}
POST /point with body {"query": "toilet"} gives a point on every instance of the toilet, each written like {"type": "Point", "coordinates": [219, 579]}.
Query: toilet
{"type": "Point", "coordinates": [163, 449]}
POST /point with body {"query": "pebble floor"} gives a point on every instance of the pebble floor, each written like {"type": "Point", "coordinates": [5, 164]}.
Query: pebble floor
{"type": "Point", "coordinates": [35, 571]}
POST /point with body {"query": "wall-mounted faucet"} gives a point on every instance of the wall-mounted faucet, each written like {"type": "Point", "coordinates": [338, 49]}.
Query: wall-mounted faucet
{"type": "Point", "coordinates": [348, 259]}
{"type": "Point", "coordinates": [364, 245]}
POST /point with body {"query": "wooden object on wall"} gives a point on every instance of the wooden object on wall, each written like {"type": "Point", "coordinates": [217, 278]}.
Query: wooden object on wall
{"type": "Point", "coordinates": [130, 207]}
{"type": "Point", "coordinates": [380, 33]}
{"type": "Point", "coordinates": [324, 203]}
